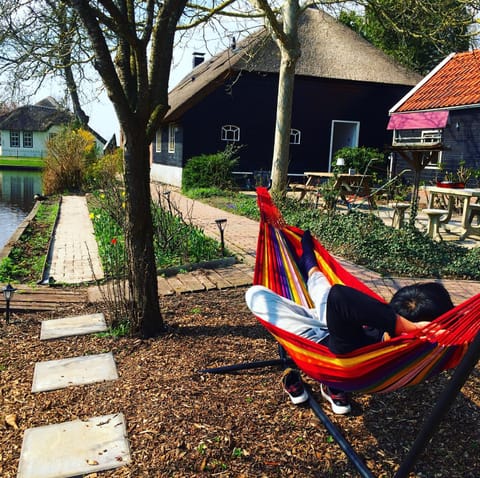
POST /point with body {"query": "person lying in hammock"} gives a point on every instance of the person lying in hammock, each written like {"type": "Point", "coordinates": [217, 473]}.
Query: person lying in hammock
{"type": "Point", "coordinates": [344, 319]}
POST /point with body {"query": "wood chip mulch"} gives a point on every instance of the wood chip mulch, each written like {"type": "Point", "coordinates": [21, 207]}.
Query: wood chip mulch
{"type": "Point", "coordinates": [182, 423]}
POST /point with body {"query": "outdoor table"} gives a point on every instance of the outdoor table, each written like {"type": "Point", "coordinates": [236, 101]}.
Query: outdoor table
{"type": "Point", "coordinates": [468, 210]}
{"type": "Point", "coordinates": [358, 184]}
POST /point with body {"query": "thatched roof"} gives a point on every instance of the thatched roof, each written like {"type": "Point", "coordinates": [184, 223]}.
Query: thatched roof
{"type": "Point", "coordinates": [329, 50]}
{"type": "Point", "coordinates": [38, 117]}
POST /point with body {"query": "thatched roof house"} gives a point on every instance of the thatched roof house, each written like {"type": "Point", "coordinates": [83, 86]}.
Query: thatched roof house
{"type": "Point", "coordinates": [38, 117]}
{"type": "Point", "coordinates": [24, 130]}
{"type": "Point", "coordinates": [329, 50]}
{"type": "Point", "coordinates": [339, 77]}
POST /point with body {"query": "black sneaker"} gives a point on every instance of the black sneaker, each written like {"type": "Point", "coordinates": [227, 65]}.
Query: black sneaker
{"type": "Point", "coordinates": [293, 386]}
{"type": "Point", "coordinates": [338, 400]}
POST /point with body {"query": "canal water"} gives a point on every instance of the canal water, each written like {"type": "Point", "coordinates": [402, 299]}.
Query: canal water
{"type": "Point", "coordinates": [17, 191]}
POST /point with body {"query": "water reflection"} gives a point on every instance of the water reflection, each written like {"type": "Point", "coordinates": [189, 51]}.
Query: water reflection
{"type": "Point", "coordinates": [17, 191]}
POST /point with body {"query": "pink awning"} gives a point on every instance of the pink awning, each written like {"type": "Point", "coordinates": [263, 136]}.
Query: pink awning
{"type": "Point", "coordinates": [424, 120]}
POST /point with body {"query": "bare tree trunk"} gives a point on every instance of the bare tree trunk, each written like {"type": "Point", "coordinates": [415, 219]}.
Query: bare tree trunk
{"type": "Point", "coordinates": [142, 273]}
{"type": "Point", "coordinates": [286, 37]}
{"type": "Point", "coordinates": [80, 114]}
{"type": "Point", "coordinates": [281, 148]}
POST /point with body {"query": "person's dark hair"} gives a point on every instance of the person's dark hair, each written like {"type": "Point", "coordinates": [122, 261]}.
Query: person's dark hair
{"type": "Point", "coordinates": [424, 301]}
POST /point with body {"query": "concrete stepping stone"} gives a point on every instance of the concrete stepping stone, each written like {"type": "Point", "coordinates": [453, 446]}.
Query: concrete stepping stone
{"type": "Point", "coordinates": [74, 448]}
{"type": "Point", "coordinates": [55, 374]}
{"type": "Point", "coordinates": [68, 326]}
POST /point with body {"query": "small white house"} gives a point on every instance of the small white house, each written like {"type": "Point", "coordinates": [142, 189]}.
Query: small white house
{"type": "Point", "coordinates": [25, 130]}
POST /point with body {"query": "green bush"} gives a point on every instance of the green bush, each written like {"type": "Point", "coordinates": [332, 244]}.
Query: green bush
{"type": "Point", "coordinates": [69, 153]}
{"type": "Point", "coordinates": [103, 171]}
{"type": "Point", "coordinates": [357, 158]}
{"type": "Point", "coordinates": [214, 170]}
{"type": "Point", "coordinates": [366, 240]}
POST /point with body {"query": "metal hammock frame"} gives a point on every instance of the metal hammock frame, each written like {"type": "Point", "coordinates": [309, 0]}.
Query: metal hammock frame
{"type": "Point", "coordinates": [460, 347]}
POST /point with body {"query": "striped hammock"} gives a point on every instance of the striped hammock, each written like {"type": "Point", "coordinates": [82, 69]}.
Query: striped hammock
{"type": "Point", "coordinates": [382, 367]}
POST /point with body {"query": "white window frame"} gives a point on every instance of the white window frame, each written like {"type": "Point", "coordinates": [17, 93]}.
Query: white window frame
{"type": "Point", "coordinates": [158, 141]}
{"type": "Point", "coordinates": [27, 139]}
{"type": "Point", "coordinates": [171, 137]}
{"type": "Point", "coordinates": [433, 136]}
{"type": "Point", "coordinates": [295, 136]}
{"type": "Point", "coordinates": [14, 139]}
{"type": "Point", "coordinates": [230, 132]}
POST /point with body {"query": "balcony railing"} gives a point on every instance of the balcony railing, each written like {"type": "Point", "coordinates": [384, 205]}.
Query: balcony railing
{"type": "Point", "coordinates": [426, 137]}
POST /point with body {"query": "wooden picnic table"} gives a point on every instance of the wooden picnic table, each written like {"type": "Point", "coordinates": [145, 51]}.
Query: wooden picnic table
{"type": "Point", "coordinates": [469, 209]}
{"type": "Point", "coordinates": [345, 184]}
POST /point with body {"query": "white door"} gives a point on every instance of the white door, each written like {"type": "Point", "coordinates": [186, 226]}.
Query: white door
{"type": "Point", "coordinates": [344, 134]}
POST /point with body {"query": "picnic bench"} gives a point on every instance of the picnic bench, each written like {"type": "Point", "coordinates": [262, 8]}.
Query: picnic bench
{"type": "Point", "coordinates": [469, 209]}
{"type": "Point", "coordinates": [358, 185]}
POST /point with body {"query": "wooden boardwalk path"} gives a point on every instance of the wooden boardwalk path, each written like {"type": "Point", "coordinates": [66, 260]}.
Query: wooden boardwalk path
{"type": "Point", "coordinates": [42, 298]}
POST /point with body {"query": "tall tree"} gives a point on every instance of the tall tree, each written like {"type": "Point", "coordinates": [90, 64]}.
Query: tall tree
{"type": "Point", "coordinates": [136, 81]}
{"type": "Point", "coordinates": [41, 40]}
{"type": "Point", "coordinates": [283, 25]}
{"type": "Point", "coordinates": [418, 34]}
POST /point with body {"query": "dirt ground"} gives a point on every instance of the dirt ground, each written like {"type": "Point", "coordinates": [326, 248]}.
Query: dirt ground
{"type": "Point", "coordinates": [182, 423]}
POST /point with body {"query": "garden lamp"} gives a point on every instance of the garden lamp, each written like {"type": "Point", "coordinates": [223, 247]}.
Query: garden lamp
{"type": "Point", "coordinates": [221, 224]}
{"type": "Point", "coordinates": [340, 163]}
{"type": "Point", "coordinates": [166, 194]}
{"type": "Point", "coordinates": [8, 292]}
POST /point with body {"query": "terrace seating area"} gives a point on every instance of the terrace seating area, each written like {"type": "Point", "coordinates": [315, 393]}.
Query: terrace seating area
{"type": "Point", "coordinates": [454, 217]}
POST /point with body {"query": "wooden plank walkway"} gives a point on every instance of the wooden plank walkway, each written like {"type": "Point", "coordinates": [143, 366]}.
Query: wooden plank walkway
{"type": "Point", "coordinates": [44, 298]}
{"type": "Point", "coordinates": [199, 280]}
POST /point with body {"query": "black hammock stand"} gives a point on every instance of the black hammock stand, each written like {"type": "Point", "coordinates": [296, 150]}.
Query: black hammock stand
{"type": "Point", "coordinates": [429, 427]}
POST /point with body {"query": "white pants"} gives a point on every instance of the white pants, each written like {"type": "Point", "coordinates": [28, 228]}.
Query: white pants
{"type": "Point", "coordinates": [287, 315]}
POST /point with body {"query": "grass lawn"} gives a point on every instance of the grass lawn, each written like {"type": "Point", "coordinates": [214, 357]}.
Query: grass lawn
{"type": "Point", "coordinates": [21, 162]}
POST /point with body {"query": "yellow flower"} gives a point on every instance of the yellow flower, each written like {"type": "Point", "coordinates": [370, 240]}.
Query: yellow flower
{"type": "Point", "coordinates": [102, 196]}
{"type": "Point", "coordinates": [92, 216]}
{"type": "Point", "coordinates": [123, 205]}
{"type": "Point", "coordinates": [123, 193]}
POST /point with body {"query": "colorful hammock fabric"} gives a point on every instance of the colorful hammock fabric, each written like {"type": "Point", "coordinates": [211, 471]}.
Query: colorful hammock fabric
{"type": "Point", "coordinates": [382, 367]}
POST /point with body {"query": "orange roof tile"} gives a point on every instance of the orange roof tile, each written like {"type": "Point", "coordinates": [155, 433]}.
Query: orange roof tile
{"type": "Point", "coordinates": [457, 83]}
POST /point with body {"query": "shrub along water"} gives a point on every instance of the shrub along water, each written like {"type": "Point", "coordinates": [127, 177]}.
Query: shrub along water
{"type": "Point", "coordinates": [69, 154]}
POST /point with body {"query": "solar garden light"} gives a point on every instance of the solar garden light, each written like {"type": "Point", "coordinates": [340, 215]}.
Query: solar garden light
{"type": "Point", "coordinates": [8, 292]}
{"type": "Point", "coordinates": [221, 224]}
{"type": "Point", "coordinates": [166, 194]}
